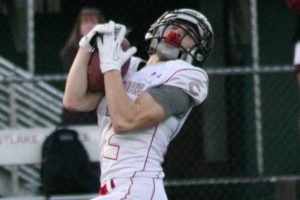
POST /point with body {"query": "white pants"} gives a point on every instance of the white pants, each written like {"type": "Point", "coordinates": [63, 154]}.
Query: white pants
{"type": "Point", "coordinates": [136, 188]}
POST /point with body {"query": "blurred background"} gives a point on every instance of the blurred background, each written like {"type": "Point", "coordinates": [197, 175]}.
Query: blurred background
{"type": "Point", "coordinates": [242, 143]}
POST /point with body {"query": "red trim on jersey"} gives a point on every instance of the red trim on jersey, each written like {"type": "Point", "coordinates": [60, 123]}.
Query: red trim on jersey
{"type": "Point", "coordinates": [129, 189]}
{"type": "Point", "coordinates": [198, 70]}
{"type": "Point", "coordinates": [153, 189]}
{"type": "Point", "coordinates": [150, 148]}
{"type": "Point", "coordinates": [128, 192]}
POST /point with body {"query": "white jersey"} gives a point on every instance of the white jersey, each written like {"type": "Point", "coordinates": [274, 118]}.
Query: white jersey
{"type": "Point", "coordinates": [141, 152]}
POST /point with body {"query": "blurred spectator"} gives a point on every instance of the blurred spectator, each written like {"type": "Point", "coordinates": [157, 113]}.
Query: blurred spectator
{"type": "Point", "coordinates": [87, 19]}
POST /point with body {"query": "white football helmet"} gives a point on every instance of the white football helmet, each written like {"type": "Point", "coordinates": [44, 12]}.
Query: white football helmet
{"type": "Point", "coordinates": [195, 25]}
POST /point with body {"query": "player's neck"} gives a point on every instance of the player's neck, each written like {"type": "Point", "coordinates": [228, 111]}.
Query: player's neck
{"type": "Point", "coordinates": [154, 58]}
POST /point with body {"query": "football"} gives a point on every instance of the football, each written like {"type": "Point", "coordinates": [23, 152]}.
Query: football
{"type": "Point", "coordinates": [95, 77]}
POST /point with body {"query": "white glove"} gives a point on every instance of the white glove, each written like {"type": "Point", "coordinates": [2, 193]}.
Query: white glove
{"type": "Point", "coordinates": [111, 55]}
{"type": "Point", "coordinates": [88, 42]}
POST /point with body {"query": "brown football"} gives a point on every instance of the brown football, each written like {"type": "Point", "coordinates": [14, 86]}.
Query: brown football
{"type": "Point", "coordinates": [94, 75]}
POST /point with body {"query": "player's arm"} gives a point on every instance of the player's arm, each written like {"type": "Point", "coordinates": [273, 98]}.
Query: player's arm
{"type": "Point", "coordinates": [76, 96]}
{"type": "Point", "coordinates": [186, 88]}
{"type": "Point", "coordinates": [148, 110]}
{"type": "Point", "coordinates": [125, 114]}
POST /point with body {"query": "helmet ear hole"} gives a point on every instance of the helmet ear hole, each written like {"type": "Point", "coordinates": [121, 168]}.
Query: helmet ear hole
{"type": "Point", "coordinates": [199, 56]}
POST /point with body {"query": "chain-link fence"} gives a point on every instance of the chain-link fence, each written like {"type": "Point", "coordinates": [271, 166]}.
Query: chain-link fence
{"type": "Point", "coordinates": [217, 153]}
{"type": "Point", "coordinates": [220, 155]}
{"type": "Point", "coordinates": [241, 143]}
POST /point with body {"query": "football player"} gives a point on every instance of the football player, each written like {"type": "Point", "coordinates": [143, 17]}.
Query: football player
{"type": "Point", "coordinates": [142, 112]}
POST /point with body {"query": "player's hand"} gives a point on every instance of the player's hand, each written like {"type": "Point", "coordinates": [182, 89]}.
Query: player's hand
{"type": "Point", "coordinates": [88, 42]}
{"type": "Point", "coordinates": [111, 55]}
